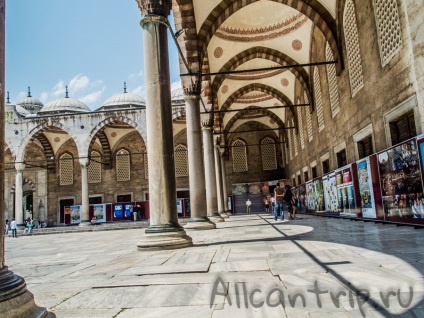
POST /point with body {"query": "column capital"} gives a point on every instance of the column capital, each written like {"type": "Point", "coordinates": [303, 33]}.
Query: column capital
{"type": "Point", "coordinates": [154, 7]}
{"type": "Point", "coordinates": [192, 91]}
{"type": "Point", "coordinates": [207, 124]}
{"type": "Point", "coordinates": [20, 166]}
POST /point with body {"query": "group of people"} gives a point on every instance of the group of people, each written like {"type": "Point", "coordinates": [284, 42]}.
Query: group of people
{"type": "Point", "coordinates": [282, 196]}
{"type": "Point", "coordinates": [28, 223]}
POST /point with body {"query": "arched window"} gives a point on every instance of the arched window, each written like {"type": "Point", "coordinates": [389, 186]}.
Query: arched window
{"type": "Point", "coordinates": [318, 99]}
{"type": "Point", "coordinates": [290, 143]}
{"type": "Point", "coordinates": [239, 156]}
{"type": "Point", "coordinates": [123, 165]}
{"type": "Point", "coordinates": [269, 157]}
{"type": "Point", "coordinates": [332, 82]}
{"type": "Point", "coordinates": [352, 48]}
{"type": "Point", "coordinates": [294, 139]}
{"type": "Point", "coordinates": [181, 161]}
{"type": "Point", "coordinates": [308, 118]}
{"type": "Point", "coordinates": [388, 29]}
{"type": "Point", "coordinates": [66, 168]}
{"type": "Point", "coordinates": [286, 153]}
{"type": "Point", "coordinates": [95, 168]}
{"type": "Point", "coordinates": [300, 119]}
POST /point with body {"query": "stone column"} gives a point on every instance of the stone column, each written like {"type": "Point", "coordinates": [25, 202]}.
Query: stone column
{"type": "Point", "coordinates": [19, 204]}
{"type": "Point", "coordinates": [164, 231]}
{"type": "Point", "coordinates": [218, 173]}
{"type": "Point", "coordinates": [15, 300]}
{"type": "Point", "coordinates": [224, 181]}
{"type": "Point", "coordinates": [85, 206]}
{"type": "Point", "coordinates": [198, 219]}
{"type": "Point", "coordinates": [211, 188]}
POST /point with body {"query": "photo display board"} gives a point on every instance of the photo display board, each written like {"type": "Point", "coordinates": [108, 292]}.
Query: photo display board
{"type": "Point", "coordinates": [366, 190]}
{"type": "Point", "coordinates": [346, 204]}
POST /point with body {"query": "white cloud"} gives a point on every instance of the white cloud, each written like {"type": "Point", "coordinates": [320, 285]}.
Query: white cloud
{"type": "Point", "coordinates": [78, 83]}
{"type": "Point", "coordinates": [21, 95]}
{"type": "Point", "coordinates": [44, 96]}
{"type": "Point", "coordinates": [140, 90]}
{"type": "Point", "coordinates": [59, 89]}
{"type": "Point", "coordinates": [92, 97]}
{"type": "Point", "coordinates": [139, 74]}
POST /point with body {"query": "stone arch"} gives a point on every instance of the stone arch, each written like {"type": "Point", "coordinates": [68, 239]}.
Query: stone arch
{"type": "Point", "coordinates": [101, 126]}
{"type": "Point", "coordinates": [47, 149]}
{"type": "Point", "coordinates": [25, 181]}
{"type": "Point", "coordinates": [314, 10]}
{"type": "Point", "coordinates": [267, 54]}
{"type": "Point", "coordinates": [105, 145]}
{"type": "Point", "coordinates": [181, 135]}
{"type": "Point", "coordinates": [240, 114]}
{"type": "Point", "coordinates": [257, 87]}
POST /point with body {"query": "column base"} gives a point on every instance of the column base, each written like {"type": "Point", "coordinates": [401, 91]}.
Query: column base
{"type": "Point", "coordinates": [15, 300]}
{"type": "Point", "coordinates": [85, 223]}
{"type": "Point", "coordinates": [224, 215]}
{"type": "Point", "coordinates": [199, 223]}
{"type": "Point", "coordinates": [164, 237]}
{"type": "Point", "coordinates": [216, 218]}
{"type": "Point", "coordinates": [228, 212]}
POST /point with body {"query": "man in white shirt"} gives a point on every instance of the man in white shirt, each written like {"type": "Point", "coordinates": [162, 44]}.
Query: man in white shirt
{"type": "Point", "coordinates": [248, 205]}
{"type": "Point", "coordinates": [13, 227]}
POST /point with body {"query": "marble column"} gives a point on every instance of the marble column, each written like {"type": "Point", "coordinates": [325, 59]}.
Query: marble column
{"type": "Point", "coordinates": [85, 206]}
{"type": "Point", "coordinates": [19, 194]}
{"type": "Point", "coordinates": [210, 177]}
{"type": "Point", "coordinates": [15, 300]}
{"type": "Point", "coordinates": [198, 219]}
{"type": "Point", "coordinates": [218, 173]}
{"type": "Point", "coordinates": [224, 182]}
{"type": "Point", "coordinates": [164, 231]}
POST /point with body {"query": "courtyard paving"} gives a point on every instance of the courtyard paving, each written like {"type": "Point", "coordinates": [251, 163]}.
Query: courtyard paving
{"type": "Point", "coordinates": [250, 266]}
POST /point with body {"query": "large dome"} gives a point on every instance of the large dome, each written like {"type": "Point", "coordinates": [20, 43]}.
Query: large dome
{"type": "Point", "coordinates": [64, 105]}
{"type": "Point", "coordinates": [177, 95]}
{"type": "Point", "coordinates": [31, 104]}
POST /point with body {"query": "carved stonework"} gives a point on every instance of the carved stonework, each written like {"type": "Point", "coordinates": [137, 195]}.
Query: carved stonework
{"type": "Point", "coordinates": [192, 90]}
{"type": "Point", "coordinates": [156, 7]}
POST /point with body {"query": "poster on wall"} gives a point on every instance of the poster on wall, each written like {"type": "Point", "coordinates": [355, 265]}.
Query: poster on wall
{"type": "Point", "coordinates": [100, 212]}
{"type": "Point", "coordinates": [117, 211]}
{"type": "Point", "coordinates": [420, 140]}
{"type": "Point", "coordinates": [239, 189]}
{"type": "Point", "coordinates": [319, 196]}
{"type": "Point", "coordinates": [128, 210]}
{"type": "Point", "coordinates": [180, 206]}
{"type": "Point", "coordinates": [345, 193]}
{"type": "Point", "coordinates": [75, 214]}
{"type": "Point", "coordinates": [366, 190]}
{"type": "Point", "coordinates": [310, 197]}
{"type": "Point", "coordinates": [400, 179]}
{"type": "Point", "coordinates": [330, 194]}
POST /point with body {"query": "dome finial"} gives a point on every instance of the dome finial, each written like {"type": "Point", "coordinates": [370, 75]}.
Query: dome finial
{"type": "Point", "coordinates": [66, 91]}
{"type": "Point", "coordinates": [29, 92]}
{"type": "Point", "coordinates": [125, 87]}
{"type": "Point", "coordinates": [8, 99]}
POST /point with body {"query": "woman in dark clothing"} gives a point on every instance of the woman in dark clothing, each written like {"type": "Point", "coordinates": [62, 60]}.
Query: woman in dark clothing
{"type": "Point", "coordinates": [289, 200]}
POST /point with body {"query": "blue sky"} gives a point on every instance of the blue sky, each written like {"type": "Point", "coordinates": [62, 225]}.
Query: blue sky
{"type": "Point", "coordinates": [93, 46]}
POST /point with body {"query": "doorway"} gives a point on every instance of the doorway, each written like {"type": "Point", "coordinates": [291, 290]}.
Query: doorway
{"type": "Point", "coordinates": [62, 204]}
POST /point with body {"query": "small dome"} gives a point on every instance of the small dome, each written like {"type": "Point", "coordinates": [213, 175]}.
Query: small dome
{"type": "Point", "coordinates": [22, 111]}
{"type": "Point", "coordinates": [177, 95]}
{"type": "Point", "coordinates": [31, 104]}
{"type": "Point", "coordinates": [124, 99]}
{"type": "Point", "coordinates": [64, 105]}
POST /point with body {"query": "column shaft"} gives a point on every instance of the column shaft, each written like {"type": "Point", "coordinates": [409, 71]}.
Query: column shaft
{"type": "Point", "coordinates": [85, 213]}
{"type": "Point", "coordinates": [19, 206]}
{"type": "Point", "coordinates": [198, 219]}
{"type": "Point", "coordinates": [164, 231]}
{"type": "Point", "coordinates": [218, 173]}
{"type": "Point", "coordinates": [224, 183]}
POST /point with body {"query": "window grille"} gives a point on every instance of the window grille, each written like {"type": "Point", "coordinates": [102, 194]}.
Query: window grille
{"type": "Point", "coordinates": [239, 156]}
{"type": "Point", "coordinates": [123, 165]}
{"type": "Point", "coordinates": [95, 168]}
{"type": "Point", "coordinates": [308, 118]}
{"type": "Point", "coordinates": [352, 48]}
{"type": "Point", "coordinates": [290, 144]}
{"type": "Point", "coordinates": [146, 166]}
{"type": "Point", "coordinates": [295, 140]}
{"type": "Point", "coordinates": [318, 99]}
{"type": "Point", "coordinates": [332, 83]}
{"type": "Point", "coordinates": [66, 167]}
{"type": "Point", "coordinates": [269, 158]}
{"type": "Point", "coordinates": [388, 29]}
{"type": "Point", "coordinates": [181, 161]}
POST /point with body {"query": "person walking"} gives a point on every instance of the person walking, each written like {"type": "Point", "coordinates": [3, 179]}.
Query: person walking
{"type": "Point", "coordinates": [279, 208]}
{"type": "Point", "coordinates": [13, 227]}
{"type": "Point", "coordinates": [289, 200]}
{"type": "Point", "coordinates": [248, 206]}
{"type": "Point", "coordinates": [266, 205]}
{"type": "Point", "coordinates": [272, 205]}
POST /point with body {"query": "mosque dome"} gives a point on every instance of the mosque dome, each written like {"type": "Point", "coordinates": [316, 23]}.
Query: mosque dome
{"type": "Point", "coordinates": [123, 100]}
{"type": "Point", "coordinates": [64, 105]}
{"type": "Point", "coordinates": [22, 111]}
{"type": "Point", "coordinates": [177, 97]}
{"type": "Point", "coordinates": [29, 103]}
